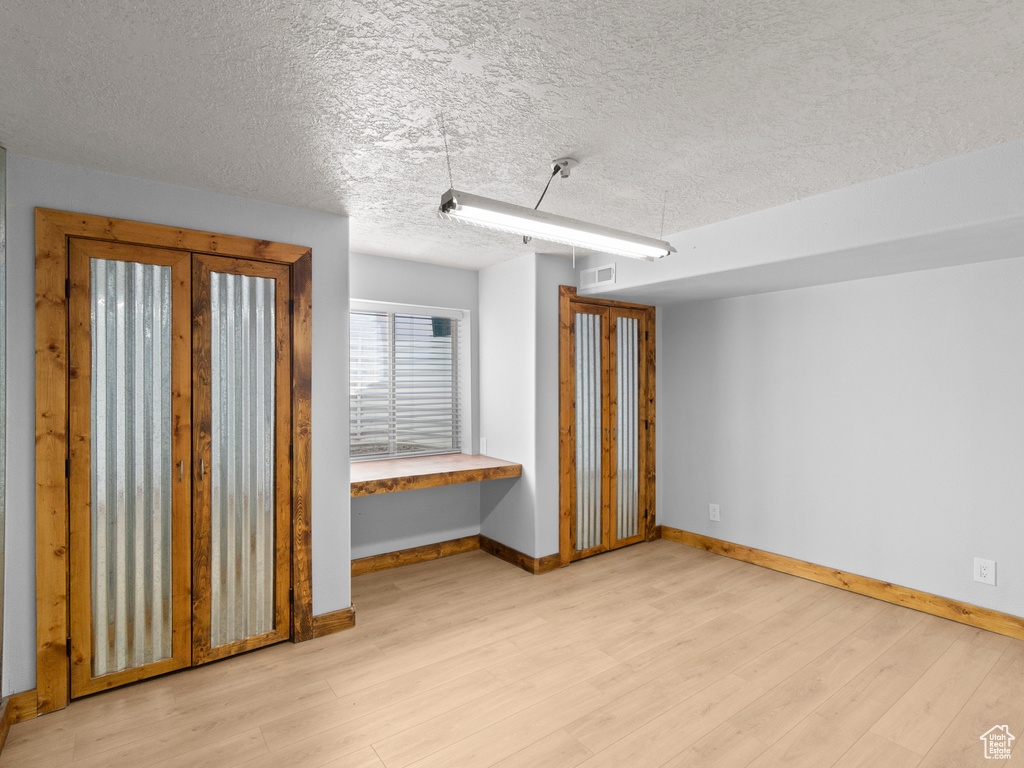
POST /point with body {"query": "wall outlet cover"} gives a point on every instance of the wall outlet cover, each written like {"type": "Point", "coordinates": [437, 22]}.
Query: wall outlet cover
{"type": "Point", "coordinates": [483, 445]}
{"type": "Point", "coordinates": [985, 571]}
{"type": "Point", "coordinates": [714, 512]}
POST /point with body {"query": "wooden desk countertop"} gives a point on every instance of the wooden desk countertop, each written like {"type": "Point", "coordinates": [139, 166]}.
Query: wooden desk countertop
{"type": "Point", "coordinates": [390, 475]}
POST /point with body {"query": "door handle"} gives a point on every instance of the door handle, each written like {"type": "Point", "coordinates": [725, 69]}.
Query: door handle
{"type": "Point", "coordinates": [181, 471]}
{"type": "Point", "coordinates": [202, 469]}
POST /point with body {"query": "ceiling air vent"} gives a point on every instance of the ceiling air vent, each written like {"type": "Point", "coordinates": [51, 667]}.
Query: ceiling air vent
{"type": "Point", "coordinates": [590, 278]}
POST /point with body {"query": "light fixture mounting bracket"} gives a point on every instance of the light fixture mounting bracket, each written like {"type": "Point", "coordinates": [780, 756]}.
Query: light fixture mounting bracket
{"type": "Point", "coordinates": [563, 166]}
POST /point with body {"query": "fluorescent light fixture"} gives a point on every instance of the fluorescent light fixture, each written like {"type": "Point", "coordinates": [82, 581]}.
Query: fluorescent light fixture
{"type": "Point", "coordinates": [505, 217]}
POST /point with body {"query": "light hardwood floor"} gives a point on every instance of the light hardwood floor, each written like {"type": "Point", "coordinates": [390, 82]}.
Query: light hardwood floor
{"type": "Point", "coordinates": [654, 655]}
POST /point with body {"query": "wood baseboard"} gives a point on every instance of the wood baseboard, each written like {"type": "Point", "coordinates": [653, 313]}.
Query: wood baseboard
{"type": "Point", "coordinates": [335, 621]}
{"type": "Point", "coordinates": [415, 555]}
{"type": "Point", "coordinates": [16, 708]}
{"type": "Point", "coordinates": [534, 565]}
{"type": "Point", "coordinates": [944, 607]}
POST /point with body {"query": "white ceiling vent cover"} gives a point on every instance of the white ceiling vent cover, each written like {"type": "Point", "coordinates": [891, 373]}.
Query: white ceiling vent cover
{"type": "Point", "coordinates": [590, 278]}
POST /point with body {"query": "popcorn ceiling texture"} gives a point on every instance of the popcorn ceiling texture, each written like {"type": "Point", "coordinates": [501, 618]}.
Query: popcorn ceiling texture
{"type": "Point", "coordinates": [726, 107]}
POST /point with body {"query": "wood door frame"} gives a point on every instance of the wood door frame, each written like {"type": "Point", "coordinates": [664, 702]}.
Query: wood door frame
{"type": "Point", "coordinates": [567, 300]}
{"type": "Point", "coordinates": [53, 231]}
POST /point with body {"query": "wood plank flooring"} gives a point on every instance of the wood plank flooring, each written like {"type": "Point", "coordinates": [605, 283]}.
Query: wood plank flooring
{"type": "Point", "coordinates": [653, 655]}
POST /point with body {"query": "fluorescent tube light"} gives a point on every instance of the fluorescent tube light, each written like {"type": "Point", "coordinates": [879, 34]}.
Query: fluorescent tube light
{"type": "Point", "coordinates": [505, 217]}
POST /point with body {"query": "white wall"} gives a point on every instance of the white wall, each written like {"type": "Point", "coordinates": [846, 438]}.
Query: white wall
{"type": "Point", "coordinates": [552, 271]}
{"type": "Point", "coordinates": [966, 209]}
{"type": "Point", "coordinates": [394, 521]}
{"type": "Point", "coordinates": [508, 398]}
{"type": "Point", "coordinates": [874, 426]}
{"type": "Point", "coordinates": [33, 183]}
{"type": "Point", "coordinates": [519, 398]}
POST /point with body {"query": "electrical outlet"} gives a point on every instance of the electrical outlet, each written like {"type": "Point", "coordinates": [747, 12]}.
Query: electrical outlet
{"type": "Point", "coordinates": [714, 512]}
{"type": "Point", "coordinates": [483, 446]}
{"type": "Point", "coordinates": [985, 571]}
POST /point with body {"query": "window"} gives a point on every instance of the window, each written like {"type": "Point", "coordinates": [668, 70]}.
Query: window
{"type": "Point", "coordinates": [404, 374]}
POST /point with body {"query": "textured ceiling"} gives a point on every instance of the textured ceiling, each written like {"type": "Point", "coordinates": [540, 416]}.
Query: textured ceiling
{"type": "Point", "coordinates": [718, 107]}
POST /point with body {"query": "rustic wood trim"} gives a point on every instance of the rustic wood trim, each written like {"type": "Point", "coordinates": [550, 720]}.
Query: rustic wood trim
{"type": "Point", "coordinates": [206, 655]}
{"type": "Point", "coordinates": [160, 236]}
{"type": "Point", "coordinates": [649, 385]}
{"type": "Point", "coordinates": [392, 475]}
{"type": "Point", "coordinates": [335, 621]}
{"type": "Point", "coordinates": [415, 555]}
{"type": "Point", "coordinates": [534, 565]}
{"type": "Point", "coordinates": [609, 479]}
{"type": "Point", "coordinates": [83, 686]}
{"type": "Point", "coordinates": [16, 708]}
{"type": "Point", "coordinates": [199, 540]}
{"type": "Point", "coordinates": [566, 424]}
{"type": "Point", "coordinates": [53, 229]}
{"type": "Point", "coordinates": [573, 294]}
{"type": "Point", "coordinates": [283, 439]}
{"type": "Point", "coordinates": [302, 627]}
{"type": "Point", "coordinates": [23, 705]}
{"type": "Point", "coordinates": [943, 607]}
{"type": "Point", "coordinates": [5, 720]}
{"type": "Point", "coordinates": [52, 627]}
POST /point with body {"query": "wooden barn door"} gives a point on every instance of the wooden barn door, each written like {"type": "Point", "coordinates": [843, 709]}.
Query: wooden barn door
{"type": "Point", "coordinates": [130, 394]}
{"type": "Point", "coordinates": [242, 423]}
{"type": "Point", "coordinates": [606, 352]}
{"type": "Point", "coordinates": [179, 466]}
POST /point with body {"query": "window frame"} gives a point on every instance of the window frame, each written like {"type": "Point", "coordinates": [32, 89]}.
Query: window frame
{"type": "Point", "coordinates": [461, 378]}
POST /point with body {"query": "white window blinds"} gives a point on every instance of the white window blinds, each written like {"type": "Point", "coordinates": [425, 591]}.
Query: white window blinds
{"type": "Point", "coordinates": [404, 393]}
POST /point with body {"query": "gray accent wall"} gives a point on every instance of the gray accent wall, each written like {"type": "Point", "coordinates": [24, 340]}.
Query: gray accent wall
{"type": "Point", "coordinates": [389, 522]}
{"type": "Point", "coordinates": [875, 426]}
